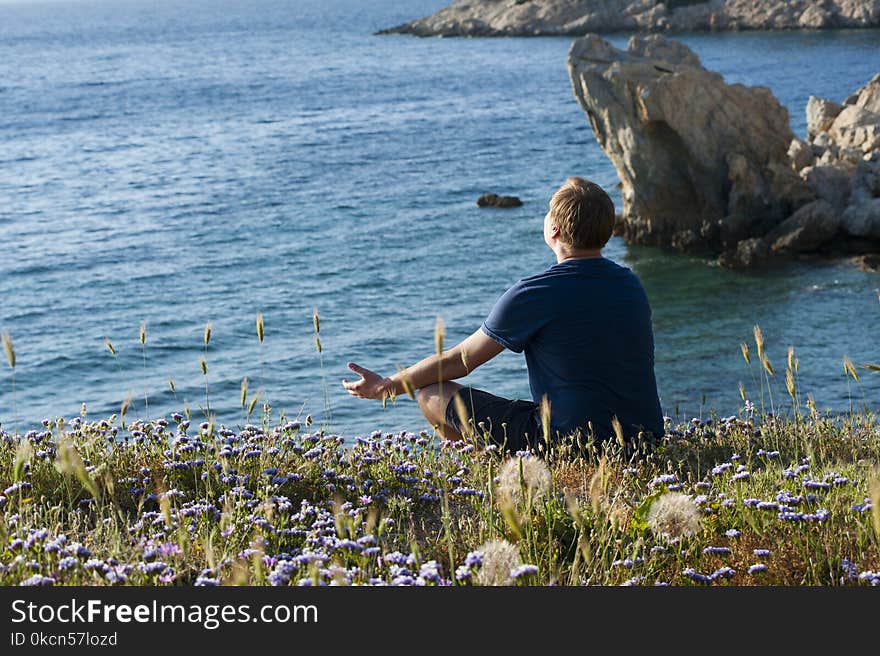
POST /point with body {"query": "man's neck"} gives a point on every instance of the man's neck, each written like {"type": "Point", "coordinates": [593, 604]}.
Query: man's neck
{"type": "Point", "coordinates": [569, 255]}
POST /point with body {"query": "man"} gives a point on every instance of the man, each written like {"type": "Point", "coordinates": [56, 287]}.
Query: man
{"type": "Point", "coordinates": [585, 327]}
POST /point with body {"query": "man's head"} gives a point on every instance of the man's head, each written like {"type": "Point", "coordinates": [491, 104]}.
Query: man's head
{"type": "Point", "coordinates": [584, 214]}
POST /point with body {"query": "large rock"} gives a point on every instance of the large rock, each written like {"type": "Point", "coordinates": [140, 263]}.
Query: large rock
{"type": "Point", "coordinates": [845, 172]}
{"type": "Point", "coordinates": [697, 175]}
{"type": "Point", "coordinates": [809, 229]}
{"type": "Point", "coordinates": [579, 17]}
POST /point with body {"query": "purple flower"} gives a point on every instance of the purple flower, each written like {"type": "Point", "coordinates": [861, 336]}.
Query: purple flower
{"type": "Point", "coordinates": [466, 492]}
{"type": "Point", "coordinates": [757, 567]}
{"type": "Point", "coordinates": [762, 553]}
{"type": "Point", "coordinates": [664, 479]}
{"type": "Point", "coordinates": [849, 568]}
{"type": "Point", "coordinates": [206, 581]}
{"type": "Point", "coordinates": [723, 572]}
{"type": "Point", "coordinates": [474, 559]}
{"type": "Point", "coordinates": [462, 572]}
{"type": "Point", "coordinates": [38, 579]}
{"type": "Point", "coordinates": [694, 575]}
{"type": "Point", "coordinates": [717, 551]}
{"type": "Point", "coordinates": [68, 562]}
{"type": "Point", "coordinates": [524, 570]}
{"type": "Point", "coordinates": [732, 533]}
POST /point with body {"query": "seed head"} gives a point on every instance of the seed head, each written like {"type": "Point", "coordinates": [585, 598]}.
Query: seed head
{"type": "Point", "coordinates": [674, 514]}
{"type": "Point", "coordinates": [8, 349]}
{"type": "Point", "coordinates": [500, 558]}
{"type": "Point", "coordinates": [524, 477]}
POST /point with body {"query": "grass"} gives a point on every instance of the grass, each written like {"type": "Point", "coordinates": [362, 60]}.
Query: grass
{"type": "Point", "coordinates": [753, 499]}
{"type": "Point", "coordinates": [87, 502]}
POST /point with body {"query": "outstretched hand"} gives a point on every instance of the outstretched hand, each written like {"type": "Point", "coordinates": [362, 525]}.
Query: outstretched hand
{"type": "Point", "coordinates": [370, 386]}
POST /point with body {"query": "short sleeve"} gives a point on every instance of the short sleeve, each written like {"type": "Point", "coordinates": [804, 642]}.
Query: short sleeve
{"type": "Point", "coordinates": [516, 317]}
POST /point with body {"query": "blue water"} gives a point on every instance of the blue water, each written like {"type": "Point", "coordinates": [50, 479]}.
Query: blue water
{"type": "Point", "coordinates": [178, 163]}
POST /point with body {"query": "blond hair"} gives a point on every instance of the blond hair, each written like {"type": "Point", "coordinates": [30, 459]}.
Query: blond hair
{"type": "Point", "coordinates": [584, 214]}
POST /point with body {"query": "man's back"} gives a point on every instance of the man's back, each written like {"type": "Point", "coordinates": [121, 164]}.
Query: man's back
{"type": "Point", "coordinates": [585, 327]}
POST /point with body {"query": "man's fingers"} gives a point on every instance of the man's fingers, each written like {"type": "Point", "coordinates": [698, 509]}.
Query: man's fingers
{"type": "Point", "coordinates": [361, 371]}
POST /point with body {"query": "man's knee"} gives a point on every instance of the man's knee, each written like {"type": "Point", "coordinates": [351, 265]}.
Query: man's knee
{"type": "Point", "coordinates": [433, 400]}
{"type": "Point", "coordinates": [427, 394]}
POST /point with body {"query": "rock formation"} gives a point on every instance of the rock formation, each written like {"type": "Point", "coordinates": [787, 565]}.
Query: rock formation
{"type": "Point", "coordinates": [715, 168]}
{"type": "Point", "coordinates": [703, 164]}
{"type": "Point", "coordinates": [841, 159]}
{"type": "Point", "coordinates": [579, 17]}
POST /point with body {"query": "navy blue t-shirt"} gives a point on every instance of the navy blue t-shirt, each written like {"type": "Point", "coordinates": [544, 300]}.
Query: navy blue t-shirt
{"type": "Point", "coordinates": [585, 327]}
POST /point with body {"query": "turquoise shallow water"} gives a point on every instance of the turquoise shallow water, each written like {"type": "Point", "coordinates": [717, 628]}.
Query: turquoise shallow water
{"type": "Point", "coordinates": [178, 163]}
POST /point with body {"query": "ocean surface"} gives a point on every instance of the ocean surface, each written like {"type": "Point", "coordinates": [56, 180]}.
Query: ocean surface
{"type": "Point", "coordinates": [178, 163]}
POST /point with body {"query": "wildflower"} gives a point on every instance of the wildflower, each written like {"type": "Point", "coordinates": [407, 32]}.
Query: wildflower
{"type": "Point", "coordinates": [524, 570]}
{"type": "Point", "coordinates": [663, 479]}
{"type": "Point", "coordinates": [872, 577]}
{"type": "Point", "coordinates": [674, 514]}
{"type": "Point", "coordinates": [757, 567]}
{"type": "Point", "coordinates": [717, 551]}
{"type": "Point", "coordinates": [849, 568]}
{"type": "Point", "coordinates": [761, 553]}
{"type": "Point", "coordinates": [38, 579]}
{"type": "Point", "coordinates": [732, 533]}
{"type": "Point", "coordinates": [66, 563]}
{"type": "Point", "coordinates": [694, 575]}
{"type": "Point", "coordinates": [725, 572]}
{"type": "Point", "coordinates": [206, 581]}
{"type": "Point", "coordinates": [529, 476]}
{"type": "Point", "coordinates": [430, 571]}
{"type": "Point", "coordinates": [500, 558]}
{"type": "Point", "coordinates": [462, 572]}
{"type": "Point", "coordinates": [636, 580]}
{"type": "Point", "coordinates": [466, 492]}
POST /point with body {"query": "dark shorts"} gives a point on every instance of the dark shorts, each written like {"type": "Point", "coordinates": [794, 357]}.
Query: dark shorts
{"type": "Point", "coordinates": [512, 425]}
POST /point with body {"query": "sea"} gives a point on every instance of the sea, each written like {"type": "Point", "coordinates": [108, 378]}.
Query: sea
{"type": "Point", "coordinates": [169, 164]}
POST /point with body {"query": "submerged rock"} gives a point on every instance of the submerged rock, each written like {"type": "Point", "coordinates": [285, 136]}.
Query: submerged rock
{"type": "Point", "coordinates": [869, 263]}
{"type": "Point", "coordinates": [494, 200]}
{"type": "Point", "coordinates": [579, 17]}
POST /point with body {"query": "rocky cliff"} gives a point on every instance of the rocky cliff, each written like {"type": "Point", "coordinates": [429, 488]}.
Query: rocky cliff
{"type": "Point", "coordinates": [715, 168]}
{"type": "Point", "coordinates": [579, 17]}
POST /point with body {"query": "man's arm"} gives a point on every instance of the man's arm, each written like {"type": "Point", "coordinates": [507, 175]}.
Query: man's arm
{"type": "Point", "coordinates": [457, 362]}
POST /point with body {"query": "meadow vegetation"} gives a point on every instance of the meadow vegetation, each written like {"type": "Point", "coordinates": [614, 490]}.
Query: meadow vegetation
{"type": "Point", "coordinates": [779, 494]}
